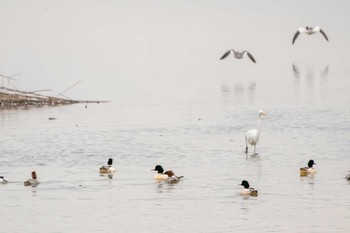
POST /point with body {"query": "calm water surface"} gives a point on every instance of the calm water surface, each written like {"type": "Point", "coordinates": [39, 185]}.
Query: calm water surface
{"type": "Point", "coordinates": [200, 136]}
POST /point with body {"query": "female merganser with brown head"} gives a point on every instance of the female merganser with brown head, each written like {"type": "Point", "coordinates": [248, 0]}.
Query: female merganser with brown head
{"type": "Point", "coordinates": [172, 179]}
{"type": "Point", "coordinates": [32, 182]}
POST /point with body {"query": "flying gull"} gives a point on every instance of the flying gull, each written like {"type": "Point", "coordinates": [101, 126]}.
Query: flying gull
{"type": "Point", "coordinates": [309, 31]}
{"type": "Point", "coordinates": [238, 55]}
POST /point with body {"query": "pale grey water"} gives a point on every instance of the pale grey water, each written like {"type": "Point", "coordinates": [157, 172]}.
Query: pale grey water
{"type": "Point", "coordinates": [202, 140]}
{"type": "Point", "coordinates": [176, 104]}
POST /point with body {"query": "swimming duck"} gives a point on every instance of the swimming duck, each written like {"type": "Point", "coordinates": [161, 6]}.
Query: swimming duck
{"type": "Point", "coordinates": [32, 182]}
{"type": "Point", "coordinates": [3, 180]}
{"type": "Point", "coordinates": [247, 190]}
{"type": "Point", "coordinates": [160, 175]}
{"type": "Point", "coordinates": [309, 31]}
{"type": "Point", "coordinates": [172, 179]}
{"type": "Point", "coordinates": [348, 176]}
{"type": "Point", "coordinates": [309, 169]}
{"type": "Point", "coordinates": [238, 55]}
{"type": "Point", "coordinates": [108, 169]}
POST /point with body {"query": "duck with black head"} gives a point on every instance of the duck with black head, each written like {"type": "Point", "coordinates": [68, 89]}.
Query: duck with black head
{"type": "Point", "coordinates": [309, 170]}
{"type": "Point", "coordinates": [3, 180]}
{"type": "Point", "coordinates": [348, 176]}
{"type": "Point", "coordinates": [109, 169]}
{"type": "Point", "coordinates": [247, 190]}
{"type": "Point", "coordinates": [160, 176]}
{"type": "Point", "coordinates": [33, 181]}
{"type": "Point", "coordinates": [168, 176]}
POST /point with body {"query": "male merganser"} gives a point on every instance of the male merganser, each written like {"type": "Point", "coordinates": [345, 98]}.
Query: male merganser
{"type": "Point", "coordinates": [309, 31]}
{"type": "Point", "coordinates": [3, 180]}
{"type": "Point", "coordinates": [32, 182]}
{"type": "Point", "coordinates": [348, 176]}
{"type": "Point", "coordinates": [108, 169]}
{"type": "Point", "coordinates": [309, 169]}
{"type": "Point", "coordinates": [172, 179]}
{"type": "Point", "coordinates": [247, 190]}
{"type": "Point", "coordinates": [161, 175]}
{"type": "Point", "coordinates": [238, 55]}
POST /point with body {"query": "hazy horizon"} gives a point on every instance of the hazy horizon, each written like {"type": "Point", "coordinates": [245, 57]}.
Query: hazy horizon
{"type": "Point", "coordinates": [124, 50]}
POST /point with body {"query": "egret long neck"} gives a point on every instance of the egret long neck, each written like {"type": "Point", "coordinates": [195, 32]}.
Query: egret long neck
{"type": "Point", "coordinates": [258, 122]}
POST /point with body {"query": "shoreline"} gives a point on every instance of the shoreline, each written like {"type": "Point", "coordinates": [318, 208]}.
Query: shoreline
{"type": "Point", "coordinates": [10, 98]}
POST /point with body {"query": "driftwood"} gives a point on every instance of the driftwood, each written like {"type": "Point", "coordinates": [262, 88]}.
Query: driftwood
{"type": "Point", "coordinates": [15, 98]}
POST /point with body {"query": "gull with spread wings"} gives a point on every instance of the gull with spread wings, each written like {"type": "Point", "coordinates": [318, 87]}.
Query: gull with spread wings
{"type": "Point", "coordinates": [238, 55]}
{"type": "Point", "coordinates": [309, 31]}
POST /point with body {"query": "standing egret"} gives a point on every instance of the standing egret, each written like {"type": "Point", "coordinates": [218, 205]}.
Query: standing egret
{"type": "Point", "coordinates": [252, 136]}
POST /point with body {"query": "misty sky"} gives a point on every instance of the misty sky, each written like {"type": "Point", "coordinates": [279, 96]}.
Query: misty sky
{"type": "Point", "coordinates": [122, 50]}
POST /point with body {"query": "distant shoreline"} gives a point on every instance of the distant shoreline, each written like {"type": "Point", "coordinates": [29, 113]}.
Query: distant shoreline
{"type": "Point", "coordinates": [10, 98]}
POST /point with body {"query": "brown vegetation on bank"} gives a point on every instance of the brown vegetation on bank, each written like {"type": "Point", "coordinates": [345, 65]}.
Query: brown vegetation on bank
{"type": "Point", "coordinates": [15, 98]}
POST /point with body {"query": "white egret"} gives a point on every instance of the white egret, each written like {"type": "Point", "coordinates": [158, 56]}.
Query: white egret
{"type": "Point", "coordinates": [252, 136]}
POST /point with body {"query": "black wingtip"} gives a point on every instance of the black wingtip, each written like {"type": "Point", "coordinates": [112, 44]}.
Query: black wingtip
{"type": "Point", "coordinates": [295, 36]}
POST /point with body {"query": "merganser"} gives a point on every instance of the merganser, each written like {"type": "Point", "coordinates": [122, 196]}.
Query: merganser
{"type": "Point", "coordinates": [348, 176]}
{"type": "Point", "coordinates": [32, 182]}
{"type": "Point", "coordinates": [3, 180]}
{"type": "Point", "coordinates": [172, 179]}
{"type": "Point", "coordinates": [161, 175]}
{"type": "Point", "coordinates": [309, 169]}
{"type": "Point", "coordinates": [309, 31]}
{"type": "Point", "coordinates": [238, 55]}
{"type": "Point", "coordinates": [108, 169]}
{"type": "Point", "coordinates": [247, 190]}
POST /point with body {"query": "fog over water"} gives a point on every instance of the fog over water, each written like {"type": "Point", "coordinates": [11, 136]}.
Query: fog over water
{"type": "Point", "coordinates": [175, 103]}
